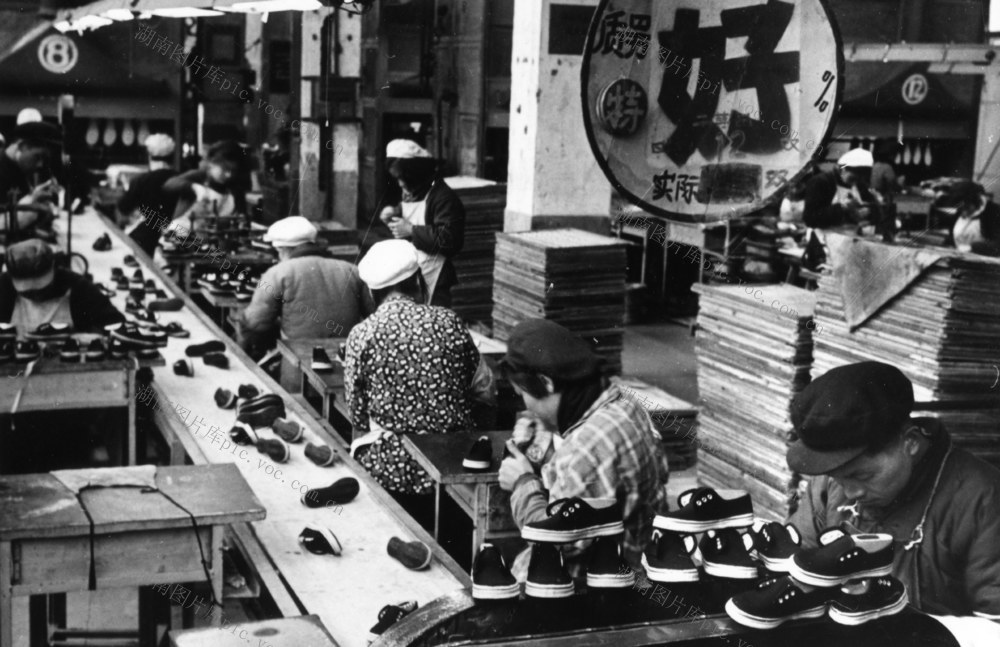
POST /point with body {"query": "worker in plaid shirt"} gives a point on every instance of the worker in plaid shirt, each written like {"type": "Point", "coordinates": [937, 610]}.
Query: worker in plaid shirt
{"type": "Point", "coordinates": [606, 448]}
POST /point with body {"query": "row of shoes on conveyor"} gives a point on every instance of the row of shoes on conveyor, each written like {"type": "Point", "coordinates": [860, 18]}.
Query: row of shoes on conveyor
{"type": "Point", "coordinates": [240, 285]}
{"type": "Point", "coordinates": [58, 340]}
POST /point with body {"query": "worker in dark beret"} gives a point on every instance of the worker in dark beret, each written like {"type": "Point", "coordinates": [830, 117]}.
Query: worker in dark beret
{"type": "Point", "coordinates": [608, 451]}
{"type": "Point", "coordinates": [29, 153]}
{"type": "Point", "coordinates": [879, 470]}
{"type": "Point", "coordinates": [977, 224]}
{"type": "Point", "coordinates": [34, 292]}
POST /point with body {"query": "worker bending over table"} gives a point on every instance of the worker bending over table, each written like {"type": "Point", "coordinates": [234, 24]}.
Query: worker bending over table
{"type": "Point", "coordinates": [29, 153]}
{"type": "Point", "coordinates": [146, 196]}
{"type": "Point", "coordinates": [977, 222]}
{"type": "Point", "coordinates": [307, 294]}
{"type": "Point", "coordinates": [877, 470]}
{"type": "Point", "coordinates": [214, 189]}
{"type": "Point", "coordinates": [609, 452]}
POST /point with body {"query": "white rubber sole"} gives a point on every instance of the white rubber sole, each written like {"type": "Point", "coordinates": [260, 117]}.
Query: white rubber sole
{"type": "Point", "coordinates": [611, 580]}
{"type": "Point", "coordinates": [818, 579]}
{"type": "Point", "coordinates": [776, 565]}
{"type": "Point", "coordinates": [321, 366]}
{"type": "Point", "coordinates": [508, 592]}
{"type": "Point", "coordinates": [758, 622]}
{"type": "Point", "coordinates": [565, 536]}
{"type": "Point", "coordinates": [691, 527]}
{"type": "Point", "coordinates": [860, 618]}
{"type": "Point", "coordinates": [668, 575]}
{"type": "Point", "coordinates": [730, 572]}
{"type": "Point", "coordinates": [475, 465]}
{"type": "Point", "coordinates": [549, 591]}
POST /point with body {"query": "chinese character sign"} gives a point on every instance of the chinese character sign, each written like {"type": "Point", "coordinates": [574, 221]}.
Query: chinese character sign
{"type": "Point", "coordinates": [706, 109]}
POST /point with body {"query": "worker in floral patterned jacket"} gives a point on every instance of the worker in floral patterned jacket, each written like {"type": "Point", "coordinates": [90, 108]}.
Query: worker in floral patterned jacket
{"type": "Point", "coordinates": [877, 470]}
{"type": "Point", "coordinates": [609, 467]}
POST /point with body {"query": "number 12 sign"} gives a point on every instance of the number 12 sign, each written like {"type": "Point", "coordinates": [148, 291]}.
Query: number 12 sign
{"type": "Point", "coordinates": [706, 110]}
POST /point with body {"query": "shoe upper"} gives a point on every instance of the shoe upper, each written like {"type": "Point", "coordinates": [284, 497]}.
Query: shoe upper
{"type": "Point", "coordinates": [705, 504]}
{"type": "Point", "coordinates": [489, 568]}
{"type": "Point", "coordinates": [779, 597]}
{"type": "Point", "coordinates": [482, 450]}
{"type": "Point", "coordinates": [573, 513]}
{"type": "Point", "coordinates": [774, 540]}
{"type": "Point", "coordinates": [546, 565]}
{"type": "Point", "coordinates": [391, 614]}
{"type": "Point", "coordinates": [727, 546]}
{"type": "Point", "coordinates": [878, 592]}
{"type": "Point", "coordinates": [847, 554]}
{"type": "Point", "coordinates": [670, 550]}
{"type": "Point", "coordinates": [606, 556]}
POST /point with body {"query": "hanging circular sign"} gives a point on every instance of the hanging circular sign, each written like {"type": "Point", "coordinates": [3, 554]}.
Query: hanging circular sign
{"type": "Point", "coordinates": [58, 54]}
{"type": "Point", "coordinates": [915, 89]}
{"type": "Point", "coordinates": [705, 110]}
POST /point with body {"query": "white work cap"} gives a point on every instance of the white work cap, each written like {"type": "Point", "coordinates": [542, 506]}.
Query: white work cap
{"type": "Point", "coordinates": [387, 263]}
{"type": "Point", "coordinates": [28, 115]}
{"type": "Point", "coordinates": [290, 232]}
{"type": "Point", "coordinates": [160, 145]}
{"type": "Point", "coordinates": [405, 149]}
{"type": "Point", "coordinates": [856, 158]}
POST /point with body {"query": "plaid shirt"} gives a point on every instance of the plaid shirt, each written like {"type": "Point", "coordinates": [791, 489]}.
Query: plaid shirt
{"type": "Point", "coordinates": [611, 452]}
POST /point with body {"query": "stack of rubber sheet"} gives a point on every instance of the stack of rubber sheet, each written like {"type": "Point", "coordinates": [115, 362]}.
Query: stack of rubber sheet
{"type": "Point", "coordinates": [484, 201]}
{"type": "Point", "coordinates": [754, 346]}
{"type": "Point", "coordinates": [672, 417]}
{"type": "Point", "coordinates": [569, 276]}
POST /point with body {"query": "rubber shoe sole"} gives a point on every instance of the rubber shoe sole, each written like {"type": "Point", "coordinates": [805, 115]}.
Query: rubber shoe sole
{"type": "Point", "coordinates": [475, 465]}
{"type": "Point", "coordinates": [551, 591]}
{"type": "Point", "coordinates": [757, 622]}
{"type": "Point", "coordinates": [692, 527]}
{"type": "Point", "coordinates": [565, 536]}
{"type": "Point", "coordinates": [820, 580]}
{"type": "Point", "coordinates": [775, 565]}
{"type": "Point", "coordinates": [506, 592]}
{"type": "Point", "coordinates": [668, 575]}
{"type": "Point", "coordinates": [729, 571]}
{"type": "Point", "coordinates": [611, 580]}
{"type": "Point", "coordinates": [861, 617]}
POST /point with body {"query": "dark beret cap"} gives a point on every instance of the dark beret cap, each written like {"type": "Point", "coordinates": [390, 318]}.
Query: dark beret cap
{"type": "Point", "coordinates": [961, 192]}
{"type": "Point", "coordinates": [29, 259]}
{"type": "Point", "coordinates": [845, 411]}
{"type": "Point", "coordinates": [39, 131]}
{"type": "Point", "coordinates": [545, 347]}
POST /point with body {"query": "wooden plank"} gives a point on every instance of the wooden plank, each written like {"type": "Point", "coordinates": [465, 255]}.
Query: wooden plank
{"type": "Point", "coordinates": [303, 631]}
{"type": "Point", "coordinates": [442, 454]}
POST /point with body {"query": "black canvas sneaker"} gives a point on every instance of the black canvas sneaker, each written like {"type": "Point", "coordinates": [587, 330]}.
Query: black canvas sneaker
{"type": "Point", "coordinates": [480, 456]}
{"type": "Point", "coordinates": [341, 491]}
{"type": "Point", "coordinates": [197, 350]}
{"type": "Point", "coordinates": [774, 544]}
{"type": "Point", "coordinates": [6, 351]}
{"type": "Point", "coordinates": [137, 282]}
{"type": "Point", "coordinates": [390, 615]}
{"type": "Point", "coordinates": [704, 509]}
{"type": "Point", "coordinates": [575, 519]}
{"type": "Point", "coordinates": [121, 283]}
{"type": "Point", "coordinates": [726, 553]}
{"type": "Point", "coordinates": [547, 575]}
{"type": "Point", "coordinates": [27, 350]}
{"type": "Point", "coordinates": [70, 351]}
{"type": "Point", "coordinates": [667, 557]}
{"type": "Point", "coordinates": [842, 557]}
{"type": "Point", "coordinates": [320, 360]}
{"type": "Point", "coordinates": [414, 555]}
{"type": "Point", "coordinates": [129, 261]}
{"type": "Point", "coordinates": [150, 286]}
{"type": "Point", "coordinates": [320, 540]}
{"type": "Point", "coordinates": [103, 243]}
{"type": "Point", "coordinates": [119, 349]}
{"type": "Point", "coordinates": [116, 274]}
{"type": "Point", "coordinates": [50, 331]}
{"type": "Point", "coordinates": [867, 600]}
{"type": "Point", "coordinates": [777, 600]}
{"type": "Point", "coordinates": [491, 579]}
{"type": "Point", "coordinates": [137, 337]}
{"type": "Point", "coordinates": [607, 568]}
{"type": "Point", "coordinates": [94, 351]}
{"type": "Point", "coordinates": [8, 332]}
{"type": "Point", "coordinates": [185, 368]}
{"type": "Point", "coordinates": [132, 306]}
{"type": "Point", "coordinates": [241, 435]}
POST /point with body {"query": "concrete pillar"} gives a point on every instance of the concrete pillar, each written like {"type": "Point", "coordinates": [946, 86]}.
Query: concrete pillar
{"type": "Point", "coordinates": [306, 185]}
{"type": "Point", "coordinates": [347, 135]}
{"type": "Point", "coordinates": [552, 179]}
{"type": "Point", "coordinates": [987, 165]}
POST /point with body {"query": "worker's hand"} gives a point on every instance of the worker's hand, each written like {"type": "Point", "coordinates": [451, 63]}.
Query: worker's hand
{"type": "Point", "coordinates": [524, 430]}
{"type": "Point", "coordinates": [389, 214]}
{"type": "Point", "coordinates": [46, 191]}
{"type": "Point", "coordinates": [514, 467]}
{"type": "Point", "coordinates": [401, 228]}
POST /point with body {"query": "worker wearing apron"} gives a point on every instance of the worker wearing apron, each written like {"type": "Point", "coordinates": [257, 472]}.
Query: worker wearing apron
{"type": "Point", "coordinates": [430, 216]}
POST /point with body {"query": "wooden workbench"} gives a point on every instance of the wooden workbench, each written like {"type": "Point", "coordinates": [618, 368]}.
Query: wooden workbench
{"type": "Point", "coordinates": [345, 592]}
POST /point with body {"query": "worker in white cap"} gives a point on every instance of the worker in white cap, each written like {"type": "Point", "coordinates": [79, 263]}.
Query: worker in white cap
{"type": "Point", "coordinates": [28, 115]}
{"type": "Point", "coordinates": [307, 294]}
{"type": "Point", "coordinates": [840, 197]}
{"type": "Point", "coordinates": [429, 214]}
{"type": "Point", "coordinates": [145, 202]}
{"type": "Point", "coordinates": [408, 369]}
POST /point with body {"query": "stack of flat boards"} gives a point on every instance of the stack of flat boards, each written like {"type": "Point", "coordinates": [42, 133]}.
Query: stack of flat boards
{"type": "Point", "coordinates": [754, 347]}
{"type": "Point", "coordinates": [484, 203]}
{"type": "Point", "coordinates": [672, 417]}
{"type": "Point", "coordinates": [942, 332]}
{"type": "Point", "coordinates": [569, 276]}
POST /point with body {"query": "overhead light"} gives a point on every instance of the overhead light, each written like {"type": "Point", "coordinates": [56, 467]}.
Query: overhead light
{"type": "Point", "coordinates": [118, 14]}
{"type": "Point", "coordinates": [268, 6]}
{"type": "Point", "coordinates": [185, 12]}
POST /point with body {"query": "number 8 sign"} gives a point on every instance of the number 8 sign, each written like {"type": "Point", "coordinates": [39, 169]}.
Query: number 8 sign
{"type": "Point", "coordinates": [58, 54]}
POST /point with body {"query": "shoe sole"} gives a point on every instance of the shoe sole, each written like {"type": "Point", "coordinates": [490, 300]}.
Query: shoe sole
{"type": "Point", "coordinates": [56, 337]}
{"type": "Point", "coordinates": [859, 618]}
{"type": "Point", "coordinates": [321, 366]}
{"type": "Point", "coordinates": [610, 580]}
{"type": "Point", "coordinates": [730, 572]}
{"type": "Point", "coordinates": [690, 527]}
{"type": "Point", "coordinates": [758, 622]}
{"type": "Point", "coordinates": [506, 592]}
{"type": "Point", "coordinates": [776, 564]}
{"type": "Point", "coordinates": [26, 358]}
{"type": "Point", "coordinates": [668, 575]}
{"type": "Point", "coordinates": [820, 580]}
{"type": "Point", "coordinates": [551, 591]}
{"type": "Point", "coordinates": [137, 342]}
{"type": "Point", "coordinates": [565, 536]}
{"type": "Point", "coordinates": [475, 465]}
{"type": "Point", "coordinates": [418, 567]}
{"type": "Point", "coordinates": [327, 463]}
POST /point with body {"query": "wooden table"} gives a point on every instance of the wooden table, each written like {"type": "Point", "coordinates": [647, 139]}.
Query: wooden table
{"type": "Point", "coordinates": [301, 631]}
{"type": "Point", "coordinates": [138, 538]}
{"type": "Point", "coordinates": [226, 303]}
{"type": "Point", "coordinates": [478, 494]}
{"type": "Point", "coordinates": [328, 384]}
